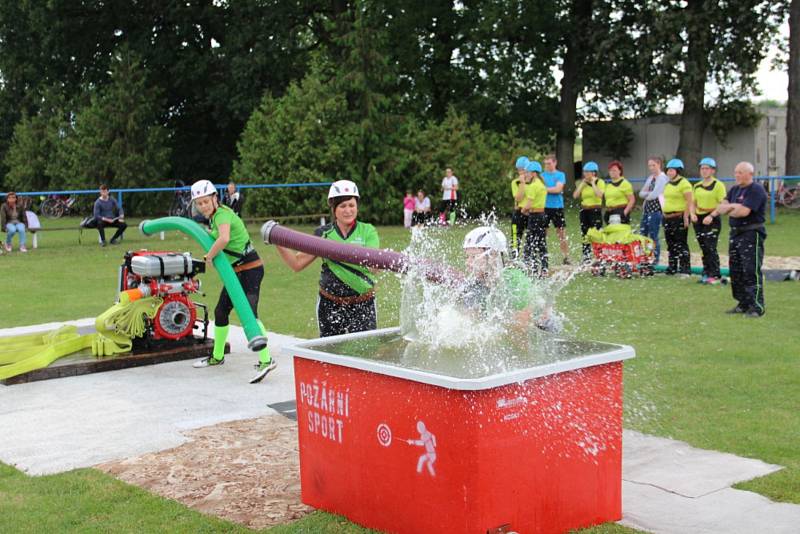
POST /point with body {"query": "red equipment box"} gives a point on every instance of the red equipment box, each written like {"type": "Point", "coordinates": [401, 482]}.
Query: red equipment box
{"type": "Point", "coordinates": [403, 450]}
{"type": "Point", "coordinates": [625, 259]}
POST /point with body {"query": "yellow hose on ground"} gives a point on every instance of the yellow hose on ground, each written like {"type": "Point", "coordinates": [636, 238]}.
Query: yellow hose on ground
{"type": "Point", "coordinates": [116, 327]}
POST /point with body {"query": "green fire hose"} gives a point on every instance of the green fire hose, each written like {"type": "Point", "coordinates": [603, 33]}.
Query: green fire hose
{"type": "Point", "coordinates": [255, 337]}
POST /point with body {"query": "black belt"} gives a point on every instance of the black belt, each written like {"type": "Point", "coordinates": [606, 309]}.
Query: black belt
{"type": "Point", "coordinates": [747, 227]}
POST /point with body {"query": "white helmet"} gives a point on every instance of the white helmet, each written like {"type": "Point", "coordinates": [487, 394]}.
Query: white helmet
{"type": "Point", "coordinates": [343, 188]}
{"type": "Point", "coordinates": [486, 237]}
{"type": "Point", "coordinates": [202, 188]}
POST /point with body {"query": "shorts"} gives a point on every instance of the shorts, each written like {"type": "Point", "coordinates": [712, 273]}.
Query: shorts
{"type": "Point", "coordinates": [556, 217]}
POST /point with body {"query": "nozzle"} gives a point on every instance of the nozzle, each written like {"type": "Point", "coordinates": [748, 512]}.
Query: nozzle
{"type": "Point", "coordinates": [266, 229]}
{"type": "Point", "coordinates": [141, 226]}
{"type": "Point", "coordinates": [257, 343]}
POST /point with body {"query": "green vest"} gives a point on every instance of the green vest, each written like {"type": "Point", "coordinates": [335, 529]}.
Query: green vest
{"type": "Point", "coordinates": [356, 277]}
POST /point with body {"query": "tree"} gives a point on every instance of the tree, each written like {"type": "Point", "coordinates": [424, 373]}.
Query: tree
{"type": "Point", "coordinates": [692, 43]}
{"type": "Point", "coordinates": [118, 138]}
{"type": "Point", "coordinates": [793, 104]}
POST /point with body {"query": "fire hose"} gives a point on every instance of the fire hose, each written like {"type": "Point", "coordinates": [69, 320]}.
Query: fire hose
{"type": "Point", "coordinates": [274, 234]}
{"type": "Point", "coordinates": [252, 330]}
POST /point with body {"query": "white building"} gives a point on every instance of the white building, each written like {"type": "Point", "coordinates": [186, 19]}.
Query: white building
{"type": "Point", "coordinates": [764, 145]}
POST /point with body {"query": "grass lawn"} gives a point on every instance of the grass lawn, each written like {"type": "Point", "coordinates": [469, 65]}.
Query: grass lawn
{"type": "Point", "coordinates": [716, 381]}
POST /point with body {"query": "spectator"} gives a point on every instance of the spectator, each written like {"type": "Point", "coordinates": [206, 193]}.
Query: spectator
{"type": "Point", "coordinates": [619, 194]}
{"type": "Point", "coordinates": [707, 196]}
{"type": "Point", "coordinates": [652, 193]}
{"type": "Point", "coordinates": [408, 208]}
{"type": "Point", "coordinates": [678, 211]}
{"type": "Point", "coordinates": [422, 209]}
{"type": "Point", "coordinates": [519, 220]}
{"type": "Point", "coordinates": [233, 199]}
{"type": "Point", "coordinates": [555, 181]}
{"type": "Point", "coordinates": [746, 205]}
{"type": "Point", "coordinates": [535, 254]}
{"type": "Point", "coordinates": [233, 242]}
{"type": "Point", "coordinates": [108, 213]}
{"type": "Point", "coordinates": [13, 220]}
{"type": "Point", "coordinates": [590, 190]}
{"type": "Point", "coordinates": [449, 197]}
{"type": "Point", "coordinates": [346, 301]}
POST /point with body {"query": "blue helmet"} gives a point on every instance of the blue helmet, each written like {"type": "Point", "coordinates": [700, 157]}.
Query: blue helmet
{"type": "Point", "coordinates": [534, 166]}
{"type": "Point", "coordinates": [708, 161]}
{"type": "Point", "coordinates": [522, 162]}
{"type": "Point", "coordinates": [675, 164]}
{"type": "Point", "coordinates": [590, 166]}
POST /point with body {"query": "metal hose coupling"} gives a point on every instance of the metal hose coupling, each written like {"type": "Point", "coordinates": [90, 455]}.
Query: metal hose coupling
{"type": "Point", "coordinates": [266, 229]}
{"type": "Point", "coordinates": [257, 343]}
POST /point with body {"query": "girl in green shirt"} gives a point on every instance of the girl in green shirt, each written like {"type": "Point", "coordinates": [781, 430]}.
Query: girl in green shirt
{"type": "Point", "coordinates": [707, 196]}
{"type": "Point", "coordinates": [232, 240]}
{"type": "Point", "coordinates": [678, 210]}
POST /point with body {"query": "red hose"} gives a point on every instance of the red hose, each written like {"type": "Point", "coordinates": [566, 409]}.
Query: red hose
{"type": "Point", "coordinates": [384, 259]}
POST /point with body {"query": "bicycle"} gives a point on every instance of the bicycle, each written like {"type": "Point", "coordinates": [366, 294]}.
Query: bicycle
{"type": "Point", "coordinates": [181, 203]}
{"type": "Point", "coordinates": [788, 196]}
{"type": "Point", "coordinates": [55, 207]}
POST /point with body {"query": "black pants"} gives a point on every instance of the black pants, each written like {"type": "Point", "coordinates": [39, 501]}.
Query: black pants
{"type": "Point", "coordinates": [677, 237]}
{"type": "Point", "coordinates": [746, 252]}
{"type": "Point", "coordinates": [589, 219]}
{"type": "Point", "coordinates": [535, 254]}
{"type": "Point", "coordinates": [251, 284]}
{"type": "Point", "coordinates": [519, 223]}
{"type": "Point", "coordinates": [624, 219]}
{"type": "Point", "coordinates": [420, 217]}
{"type": "Point", "coordinates": [707, 237]}
{"type": "Point", "coordinates": [102, 225]}
{"type": "Point", "coordinates": [335, 319]}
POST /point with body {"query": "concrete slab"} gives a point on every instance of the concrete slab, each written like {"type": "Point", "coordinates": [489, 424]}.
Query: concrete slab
{"type": "Point", "coordinates": [81, 421]}
{"type": "Point", "coordinates": [727, 511]}
{"type": "Point", "coordinates": [677, 467]}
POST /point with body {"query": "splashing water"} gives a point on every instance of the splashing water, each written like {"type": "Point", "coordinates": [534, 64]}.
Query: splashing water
{"type": "Point", "coordinates": [481, 321]}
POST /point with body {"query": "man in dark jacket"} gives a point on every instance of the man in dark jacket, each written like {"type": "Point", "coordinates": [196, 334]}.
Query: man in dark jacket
{"type": "Point", "coordinates": [108, 213]}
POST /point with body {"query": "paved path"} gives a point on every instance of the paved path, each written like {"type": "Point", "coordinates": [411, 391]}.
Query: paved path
{"type": "Point", "coordinates": [58, 425]}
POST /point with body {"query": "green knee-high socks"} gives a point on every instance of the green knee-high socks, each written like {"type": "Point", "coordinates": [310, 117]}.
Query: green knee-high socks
{"type": "Point", "coordinates": [263, 354]}
{"type": "Point", "coordinates": [220, 337]}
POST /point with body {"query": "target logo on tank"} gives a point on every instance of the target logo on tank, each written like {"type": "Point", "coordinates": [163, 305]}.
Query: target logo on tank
{"type": "Point", "coordinates": [384, 435]}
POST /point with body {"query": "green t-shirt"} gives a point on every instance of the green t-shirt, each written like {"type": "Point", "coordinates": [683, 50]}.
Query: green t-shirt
{"type": "Point", "coordinates": [514, 189]}
{"type": "Point", "coordinates": [536, 192]}
{"type": "Point", "coordinates": [345, 279]}
{"type": "Point", "coordinates": [674, 194]}
{"type": "Point", "coordinates": [708, 197]}
{"type": "Point", "coordinates": [588, 197]}
{"type": "Point", "coordinates": [617, 193]}
{"type": "Point", "coordinates": [239, 236]}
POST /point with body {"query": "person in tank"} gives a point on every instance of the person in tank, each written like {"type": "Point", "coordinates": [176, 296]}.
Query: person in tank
{"type": "Point", "coordinates": [493, 283]}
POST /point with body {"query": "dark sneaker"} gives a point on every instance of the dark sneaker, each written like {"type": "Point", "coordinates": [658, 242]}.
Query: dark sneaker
{"type": "Point", "coordinates": [102, 243]}
{"type": "Point", "coordinates": [736, 309]}
{"type": "Point", "coordinates": [208, 361]}
{"type": "Point", "coordinates": [262, 370]}
{"type": "Point", "coordinates": [753, 314]}
{"type": "Point", "coordinates": [567, 262]}
{"type": "Point", "coordinates": [116, 240]}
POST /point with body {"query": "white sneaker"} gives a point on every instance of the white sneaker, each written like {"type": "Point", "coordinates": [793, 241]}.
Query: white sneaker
{"type": "Point", "coordinates": [262, 369]}
{"type": "Point", "coordinates": [208, 361]}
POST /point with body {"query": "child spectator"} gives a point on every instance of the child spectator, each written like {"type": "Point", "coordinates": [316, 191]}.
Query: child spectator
{"type": "Point", "coordinates": [408, 208]}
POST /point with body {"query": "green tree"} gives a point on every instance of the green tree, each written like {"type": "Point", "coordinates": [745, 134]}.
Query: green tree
{"type": "Point", "coordinates": [118, 138]}
{"type": "Point", "coordinates": [32, 155]}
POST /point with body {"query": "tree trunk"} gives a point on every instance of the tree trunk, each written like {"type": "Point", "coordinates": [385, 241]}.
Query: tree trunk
{"type": "Point", "coordinates": [572, 84]}
{"type": "Point", "coordinates": [690, 144]}
{"type": "Point", "coordinates": [793, 104]}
